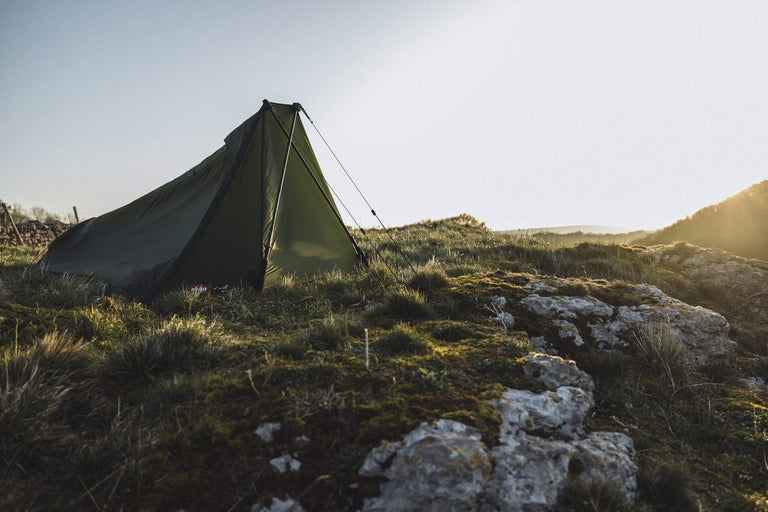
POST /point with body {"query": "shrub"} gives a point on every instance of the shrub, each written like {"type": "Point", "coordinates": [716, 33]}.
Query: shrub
{"type": "Point", "coordinates": [403, 339]}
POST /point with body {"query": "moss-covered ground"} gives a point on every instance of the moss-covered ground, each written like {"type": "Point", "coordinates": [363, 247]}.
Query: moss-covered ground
{"type": "Point", "coordinates": [110, 404]}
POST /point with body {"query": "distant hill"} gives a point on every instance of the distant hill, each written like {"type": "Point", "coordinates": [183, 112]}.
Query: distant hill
{"type": "Point", "coordinates": [561, 230]}
{"type": "Point", "coordinates": [739, 225]}
{"type": "Point", "coordinates": [565, 235]}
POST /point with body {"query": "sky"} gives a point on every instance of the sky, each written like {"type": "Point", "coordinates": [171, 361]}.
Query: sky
{"type": "Point", "coordinates": [522, 113]}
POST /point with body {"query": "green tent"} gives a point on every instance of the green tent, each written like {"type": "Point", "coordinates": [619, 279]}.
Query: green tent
{"type": "Point", "coordinates": [254, 210]}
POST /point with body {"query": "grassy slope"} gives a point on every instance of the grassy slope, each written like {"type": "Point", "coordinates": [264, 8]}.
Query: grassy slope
{"type": "Point", "coordinates": [739, 225]}
{"type": "Point", "coordinates": [156, 406]}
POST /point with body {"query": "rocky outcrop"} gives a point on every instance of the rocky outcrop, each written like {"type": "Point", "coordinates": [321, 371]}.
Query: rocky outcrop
{"type": "Point", "coordinates": [743, 280]}
{"type": "Point", "coordinates": [542, 445]}
{"type": "Point", "coordinates": [585, 319]}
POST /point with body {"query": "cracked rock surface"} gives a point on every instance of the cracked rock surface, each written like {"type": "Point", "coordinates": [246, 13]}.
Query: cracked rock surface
{"type": "Point", "coordinates": [445, 466]}
{"type": "Point", "coordinates": [587, 320]}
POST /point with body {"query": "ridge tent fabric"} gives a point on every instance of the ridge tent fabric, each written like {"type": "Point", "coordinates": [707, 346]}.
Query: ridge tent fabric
{"type": "Point", "coordinates": [212, 224]}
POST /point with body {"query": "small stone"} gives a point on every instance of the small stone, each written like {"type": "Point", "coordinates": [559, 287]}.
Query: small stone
{"type": "Point", "coordinates": [278, 505]}
{"type": "Point", "coordinates": [506, 319]}
{"type": "Point", "coordinates": [284, 463]}
{"type": "Point", "coordinates": [266, 431]}
{"type": "Point", "coordinates": [498, 301]}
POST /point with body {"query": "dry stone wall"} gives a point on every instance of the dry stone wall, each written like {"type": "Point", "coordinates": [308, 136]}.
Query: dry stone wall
{"type": "Point", "coordinates": [34, 233]}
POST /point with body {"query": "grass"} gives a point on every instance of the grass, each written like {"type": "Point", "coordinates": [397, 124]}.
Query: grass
{"type": "Point", "coordinates": [584, 495]}
{"type": "Point", "coordinates": [112, 404]}
{"type": "Point", "coordinates": [403, 339]}
{"type": "Point", "coordinates": [662, 354]}
{"type": "Point", "coordinates": [179, 346]}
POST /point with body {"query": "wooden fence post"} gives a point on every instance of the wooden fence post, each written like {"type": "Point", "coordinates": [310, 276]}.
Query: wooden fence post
{"type": "Point", "coordinates": [77, 219]}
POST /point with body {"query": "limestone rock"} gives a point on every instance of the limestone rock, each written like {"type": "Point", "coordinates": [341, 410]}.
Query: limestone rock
{"type": "Point", "coordinates": [528, 475]}
{"type": "Point", "coordinates": [542, 345]}
{"type": "Point", "coordinates": [285, 462]}
{"type": "Point", "coordinates": [607, 457]}
{"type": "Point", "coordinates": [560, 412]}
{"type": "Point", "coordinates": [704, 333]}
{"type": "Point", "coordinates": [744, 279]}
{"type": "Point", "coordinates": [567, 331]}
{"type": "Point", "coordinates": [536, 286]}
{"type": "Point", "coordinates": [498, 301]}
{"type": "Point", "coordinates": [506, 319]}
{"type": "Point", "coordinates": [567, 307]}
{"type": "Point", "coordinates": [531, 474]}
{"type": "Point", "coordinates": [278, 505]}
{"type": "Point", "coordinates": [439, 467]}
{"type": "Point", "coordinates": [553, 372]}
{"type": "Point", "coordinates": [266, 431]}
{"type": "Point", "coordinates": [445, 467]}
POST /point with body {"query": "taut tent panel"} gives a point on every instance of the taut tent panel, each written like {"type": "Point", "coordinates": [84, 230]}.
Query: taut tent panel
{"type": "Point", "coordinates": [212, 224]}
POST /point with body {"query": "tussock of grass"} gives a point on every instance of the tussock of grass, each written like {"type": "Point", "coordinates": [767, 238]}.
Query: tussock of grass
{"type": "Point", "coordinates": [294, 349]}
{"type": "Point", "coordinates": [30, 284]}
{"type": "Point", "coordinates": [181, 345]}
{"type": "Point", "coordinates": [429, 278]}
{"type": "Point", "coordinates": [329, 333]}
{"type": "Point", "coordinates": [661, 352]}
{"type": "Point", "coordinates": [29, 430]}
{"type": "Point", "coordinates": [374, 279]}
{"type": "Point", "coordinates": [453, 332]}
{"type": "Point", "coordinates": [403, 339]}
{"type": "Point", "coordinates": [587, 495]}
{"type": "Point", "coordinates": [57, 355]}
{"type": "Point", "coordinates": [606, 367]}
{"type": "Point", "coordinates": [667, 485]}
{"type": "Point", "coordinates": [405, 304]}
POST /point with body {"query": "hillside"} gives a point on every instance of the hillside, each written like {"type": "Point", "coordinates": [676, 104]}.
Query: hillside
{"type": "Point", "coordinates": [739, 225]}
{"type": "Point", "coordinates": [502, 373]}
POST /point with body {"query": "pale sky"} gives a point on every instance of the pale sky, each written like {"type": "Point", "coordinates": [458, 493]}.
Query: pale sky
{"type": "Point", "coordinates": [522, 113]}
